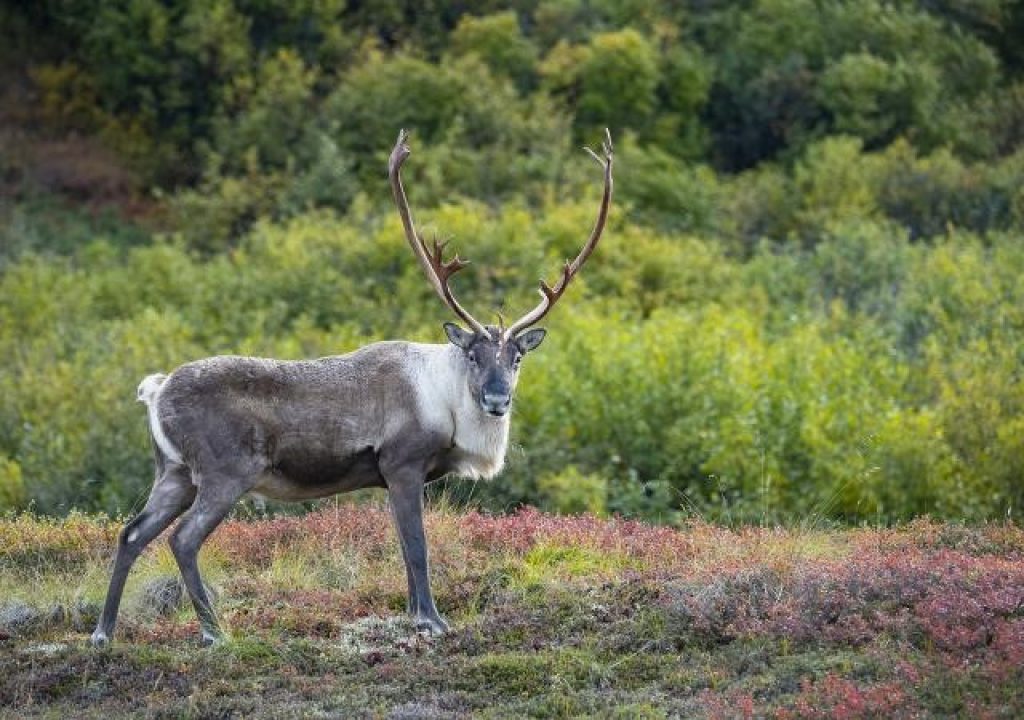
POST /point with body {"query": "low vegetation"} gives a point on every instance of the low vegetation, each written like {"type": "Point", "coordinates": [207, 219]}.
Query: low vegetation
{"type": "Point", "coordinates": [553, 617]}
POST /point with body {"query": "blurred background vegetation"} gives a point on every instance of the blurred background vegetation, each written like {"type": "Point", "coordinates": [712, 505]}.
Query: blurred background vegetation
{"type": "Point", "coordinates": [808, 304]}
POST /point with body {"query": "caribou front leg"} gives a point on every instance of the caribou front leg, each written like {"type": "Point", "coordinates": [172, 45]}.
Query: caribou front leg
{"type": "Point", "coordinates": [405, 490]}
{"type": "Point", "coordinates": [412, 603]}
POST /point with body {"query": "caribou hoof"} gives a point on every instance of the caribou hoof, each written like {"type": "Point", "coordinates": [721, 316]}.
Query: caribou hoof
{"type": "Point", "coordinates": [99, 639]}
{"type": "Point", "coordinates": [432, 626]}
{"type": "Point", "coordinates": [211, 639]}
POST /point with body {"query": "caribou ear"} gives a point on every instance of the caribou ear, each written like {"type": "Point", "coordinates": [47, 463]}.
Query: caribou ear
{"type": "Point", "coordinates": [457, 336]}
{"type": "Point", "coordinates": [530, 339]}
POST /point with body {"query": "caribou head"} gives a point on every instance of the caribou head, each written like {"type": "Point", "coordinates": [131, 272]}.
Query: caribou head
{"type": "Point", "coordinates": [492, 363]}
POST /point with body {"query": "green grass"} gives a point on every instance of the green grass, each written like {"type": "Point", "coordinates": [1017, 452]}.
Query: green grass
{"type": "Point", "coordinates": [552, 618]}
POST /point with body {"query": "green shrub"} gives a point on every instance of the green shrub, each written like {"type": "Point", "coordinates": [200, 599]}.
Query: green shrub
{"type": "Point", "coordinates": [499, 42]}
{"type": "Point", "coordinates": [666, 191]}
{"type": "Point", "coordinates": [571, 492]}
{"type": "Point", "coordinates": [935, 193]}
{"type": "Point", "coordinates": [807, 305]}
{"type": "Point", "coordinates": [835, 181]}
{"type": "Point", "coordinates": [12, 486]}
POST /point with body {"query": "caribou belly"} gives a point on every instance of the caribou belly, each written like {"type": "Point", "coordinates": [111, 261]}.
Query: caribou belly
{"type": "Point", "coordinates": [311, 474]}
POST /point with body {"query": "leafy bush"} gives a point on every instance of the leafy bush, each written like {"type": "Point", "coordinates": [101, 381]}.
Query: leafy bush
{"type": "Point", "coordinates": [12, 486]}
{"type": "Point", "coordinates": [807, 304]}
{"type": "Point", "coordinates": [498, 41]}
{"type": "Point", "coordinates": [569, 491]}
{"type": "Point", "coordinates": [862, 377]}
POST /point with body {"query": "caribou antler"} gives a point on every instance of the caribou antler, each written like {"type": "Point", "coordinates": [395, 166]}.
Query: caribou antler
{"type": "Point", "coordinates": [551, 295]}
{"type": "Point", "coordinates": [438, 271]}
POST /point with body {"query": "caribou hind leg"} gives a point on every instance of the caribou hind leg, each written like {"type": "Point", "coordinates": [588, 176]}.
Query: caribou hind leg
{"type": "Point", "coordinates": [172, 493]}
{"type": "Point", "coordinates": [216, 496]}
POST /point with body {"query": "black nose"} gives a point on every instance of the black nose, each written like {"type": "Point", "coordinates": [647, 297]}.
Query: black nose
{"type": "Point", "coordinates": [496, 404]}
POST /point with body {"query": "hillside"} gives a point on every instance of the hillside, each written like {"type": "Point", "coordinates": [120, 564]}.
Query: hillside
{"type": "Point", "coordinates": [552, 617]}
{"type": "Point", "coordinates": [807, 301]}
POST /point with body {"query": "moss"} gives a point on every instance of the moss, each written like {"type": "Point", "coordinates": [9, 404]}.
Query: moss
{"type": "Point", "coordinates": [251, 651]}
{"type": "Point", "coordinates": [510, 674]}
{"type": "Point", "coordinates": [548, 562]}
{"type": "Point", "coordinates": [638, 670]}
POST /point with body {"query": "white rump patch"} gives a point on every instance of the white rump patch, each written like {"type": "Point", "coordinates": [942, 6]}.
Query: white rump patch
{"type": "Point", "coordinates": [150, 386]}
{"type": "Point", "coordinates": [149, 393]}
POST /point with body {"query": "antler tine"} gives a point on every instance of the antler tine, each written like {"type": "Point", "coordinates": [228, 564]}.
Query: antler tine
{"type": "Point", "coordinates": [550, 295]}
{"type": "Point", "coordinates": [438, 271]}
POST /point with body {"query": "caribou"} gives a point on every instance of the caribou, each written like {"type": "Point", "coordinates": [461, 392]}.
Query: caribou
{"type": "Point", "coordinates": [393, 414]}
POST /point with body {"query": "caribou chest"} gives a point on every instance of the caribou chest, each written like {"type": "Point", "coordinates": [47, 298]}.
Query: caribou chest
{"type": "Point", "coordinates": [445, 405]}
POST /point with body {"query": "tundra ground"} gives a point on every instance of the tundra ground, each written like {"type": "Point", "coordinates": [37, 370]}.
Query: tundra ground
{"type": "Point", "coordinates": [551, 616]}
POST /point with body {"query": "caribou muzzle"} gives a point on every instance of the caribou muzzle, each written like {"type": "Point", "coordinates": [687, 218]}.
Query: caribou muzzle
{"type": "Point", "coordinates": [496, 399]}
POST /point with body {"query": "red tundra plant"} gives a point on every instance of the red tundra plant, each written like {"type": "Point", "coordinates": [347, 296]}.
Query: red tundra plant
{"type": "Point", "coordinates": [722, 609]}
{"type": "Point", "coordinates": [528, 526]}
{"type": "Point", "coordinates": [360, 528]}
{"type": "Point", "coordinates": [942, 599]}
{"type": "Point", "coordinates": [837, 698]}
{"type": "Point", "coordinates": [1004, 539]}
{"type": "Point", "coordinates": [727, 705]}
{"type": "Point", "coordinates": [1008, 651]}
{"type": "Point", "coordinates": [950, 600]}
{"type": "Point", "coordinates": [970, 602]}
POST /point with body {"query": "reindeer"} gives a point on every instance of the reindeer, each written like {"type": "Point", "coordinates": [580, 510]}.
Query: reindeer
{"type": "Point", "coordinates": [393, 414]}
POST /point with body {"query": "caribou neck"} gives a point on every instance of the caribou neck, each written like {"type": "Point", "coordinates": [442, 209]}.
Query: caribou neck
{"type": "Point", "coordinates": [446, 403]}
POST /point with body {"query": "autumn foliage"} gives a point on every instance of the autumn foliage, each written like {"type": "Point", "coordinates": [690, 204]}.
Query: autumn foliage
{"type": "Point", "coordinates": [702, 620]}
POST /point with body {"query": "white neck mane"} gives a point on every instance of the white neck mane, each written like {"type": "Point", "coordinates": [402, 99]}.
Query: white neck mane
{"type": "Point", "coordinates": [445, 403]}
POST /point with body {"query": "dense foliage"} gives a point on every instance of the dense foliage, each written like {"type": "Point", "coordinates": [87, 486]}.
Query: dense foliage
{"type": "Point", "coordinates": [808, 303]}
